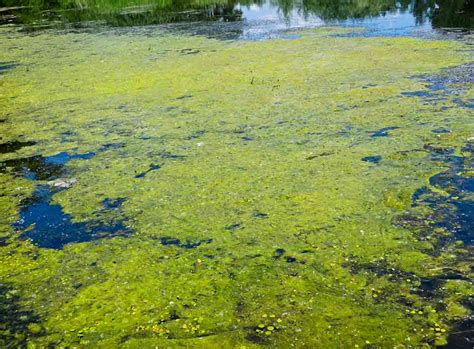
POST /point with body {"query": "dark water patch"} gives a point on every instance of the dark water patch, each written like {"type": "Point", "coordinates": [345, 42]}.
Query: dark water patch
{"type": "Point", "coordinates": [368, 86]}
{"type": "Point", "coordinates": [44, 223]}
{"type": "Point", "coordinates": [437, 149]}
{"type": "Point", "coordinates": [468, 148]}
{"type": "Point", "coordinates": [460, 75]}
{"type": "Point", "coordinates": [233, 227]}
{"type": "Point", "coordinates": [451, 81]}
{"type": "Point", "coordinates": [68, 133]}
{"type": "Point", "coordinates": [428, 288]}
{"type": "Point", "coordinates": [441, 130]}
{"type": "Point", "coordinates": [258, 214]}
{"type": "Point", "coordinates": [375, 159]}
{"type": "Point", "coordinates": [418, 94]}
{"type": "Point", "coordinates": [290, 259]}
{"type": "Point", "coordinates": [17, 324]}
{"type": "Point", "coordinates": [189, 51]}
{"type": "Point", "coordinates": [452, 214]}
{"type": "Point", "coordinates": [420, 194]}
{"type": "Point", "coordinates": [306, 251]}
{"type": "Point", "coordinates": [13, 146]}
{"type": "Point", "coordinates": [345, 107]}
{"type": "Point", "coordinates": [49, 227]}
{"type": "Point", "coordinates": [109, 146]}
{"type": "Point", "coordinates": [196, 134]}
{"type": "Point", "coordinates": [279, 252]}
{"type": "Point", "coordinates": [379, 268]}
{"type": "Point", "coordinates": [122, 107]}
{"type": "Point", "coordinates": [33, 168]}
{"type": "Point", "coordinates": [451, 210]}
{"type": "Point", "coordinates": [63, 158]}
{"type": "Point", "coordinates": [184, 97]}
{"type": "Point", "coordinates": [312, 157]}
{"type": "Point", "coordinates": [170, 241]}
{"type": "Point", "coordinates": [462, 335]}
{"type": "Point", "coordinates": [4, 241]}
{"type": "Point", "coordinates": [168, 155]}
{"type": "Point", "coordinates": [247, 139]}
{"type": "Point", "coordinates": [152, 167]}
{"type": "Point", "coordinates": [254, 337]}
{"type": "Point", "coordinates": [112, 204]}
{"type": "Point", "coordinates": [461, 103]}
{"type": "Point", "coordinates": [67, 136]}
{"type": "Point", "coordinates": [4, 66]}
{"type": "Point", "coordinates": [166, 241]}
{"type": "Point", "coordinates": [383, 132]}
{"type": "Point", "coordinates": [464, 228]}
{"type": "Point", "coordinates": [193, 244]}
{"type": "Point", "coordinates": [453, 182]}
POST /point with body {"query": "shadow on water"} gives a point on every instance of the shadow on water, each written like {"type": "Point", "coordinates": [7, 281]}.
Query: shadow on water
{"type": "Point", "coordinates": [44, 222]}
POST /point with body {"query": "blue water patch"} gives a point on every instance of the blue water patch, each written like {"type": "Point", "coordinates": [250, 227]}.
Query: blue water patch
{"type": "Point", "coordinates": [152, 167]}
{"type": "Point", "coordinates": [464, 229]}
{"type": "Point", "coordinates": [461, 103]}
{"type": "Point", "coordinates": [41, 167]}
{"type": "Point", "coordinates": [170, 241]}
{"type": "Point", "coordinates": [418, 94]}
{"type": "Point", "coordinates": [109, 146]}
{"type": "Point", "coordinates": [47, 226]}
{"type": "Point", "coordinates": [383, 132]}
{"type": "Point", "coordinates": [4, 66]}
{"type": "Point", "coordinates": [45, 223]}
{"type": "Point", "coordinates": [113, 204]}
{"type": "Point", "coordinates": [374, 159]}
{"type": "Point", "coordinates": [454, 212]}
{"type": "Point", "coordinates": [441, 130]}
{"type": "Point", "coordinates": [64, 157]}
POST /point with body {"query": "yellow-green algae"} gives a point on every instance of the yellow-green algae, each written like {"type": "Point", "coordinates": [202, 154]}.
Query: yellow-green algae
{"type": "Point", "coordinates": [272, 134]}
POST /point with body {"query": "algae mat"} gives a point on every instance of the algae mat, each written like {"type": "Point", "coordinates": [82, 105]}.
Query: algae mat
{"type": "Point", "coordinates": [163, 190]}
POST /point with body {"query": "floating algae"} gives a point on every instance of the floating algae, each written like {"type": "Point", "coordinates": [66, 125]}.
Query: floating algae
{"type": "Point", "coordinates": [283, 239]}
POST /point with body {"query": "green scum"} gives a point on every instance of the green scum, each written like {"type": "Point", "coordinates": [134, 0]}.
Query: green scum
{"type": "Point", "coordinates": [261, 205]}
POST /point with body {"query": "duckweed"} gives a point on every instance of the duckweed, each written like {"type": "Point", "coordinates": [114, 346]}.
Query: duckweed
{"type": "Point", "coordinates": [208, 226]}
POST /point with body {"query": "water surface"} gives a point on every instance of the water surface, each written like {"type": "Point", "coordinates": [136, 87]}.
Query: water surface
{"type": "Point", "coordinates": [236, 175]}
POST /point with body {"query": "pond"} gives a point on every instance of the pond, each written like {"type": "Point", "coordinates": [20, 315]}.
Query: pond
{"type": "Point", "coordinates": [220, 174]}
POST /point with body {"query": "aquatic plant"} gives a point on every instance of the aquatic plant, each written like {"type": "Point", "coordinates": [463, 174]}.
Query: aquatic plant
{"type": "Point", "coordinates": [238, 169]}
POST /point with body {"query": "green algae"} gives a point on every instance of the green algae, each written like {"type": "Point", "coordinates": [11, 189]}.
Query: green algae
{"type": "Point", "coordinates": [264, 137]}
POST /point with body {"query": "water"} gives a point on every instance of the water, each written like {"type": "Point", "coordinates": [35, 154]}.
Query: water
{"type": "Point", "coordinates": [220, 174]}
{"type": "Point", "coordinates": [250, 20]}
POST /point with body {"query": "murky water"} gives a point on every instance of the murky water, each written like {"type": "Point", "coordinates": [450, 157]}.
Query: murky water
{"type": "Point", "coordinates": [236, 175]}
